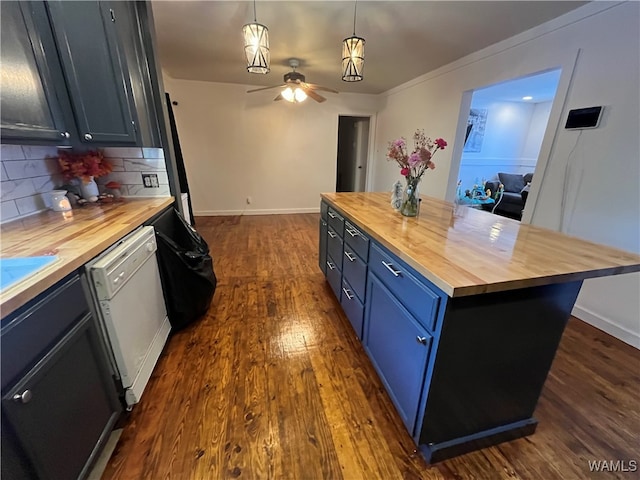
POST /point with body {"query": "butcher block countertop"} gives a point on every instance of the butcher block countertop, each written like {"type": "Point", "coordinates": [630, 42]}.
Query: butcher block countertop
{"type": "Point", "coordinates": [75, 237]}
{"type": "Point", "coordinates": [473, 251]}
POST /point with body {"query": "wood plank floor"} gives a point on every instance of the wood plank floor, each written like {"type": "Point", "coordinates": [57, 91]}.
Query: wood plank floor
{"type": "Point", "coordinates": [273, 384]}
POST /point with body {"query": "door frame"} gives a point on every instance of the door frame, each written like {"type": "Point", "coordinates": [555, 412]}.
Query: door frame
{"type": "Point", "coordinates": [372, 116]}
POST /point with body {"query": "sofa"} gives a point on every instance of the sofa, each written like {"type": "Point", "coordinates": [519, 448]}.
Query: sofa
{"type": "Point", "coordinates": [514, 196]}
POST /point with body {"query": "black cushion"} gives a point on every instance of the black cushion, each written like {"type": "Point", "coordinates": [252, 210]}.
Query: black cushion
{"type": "Point", "coordinates": [528, 177]}
{"type": "Point", "coordinates": [513, 182]}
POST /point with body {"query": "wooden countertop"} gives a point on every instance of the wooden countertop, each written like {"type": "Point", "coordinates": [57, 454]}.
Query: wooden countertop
{"type": "Point", "coordinates": [75, 237]}
{"type": "Point", "coordinates": [475, 251]}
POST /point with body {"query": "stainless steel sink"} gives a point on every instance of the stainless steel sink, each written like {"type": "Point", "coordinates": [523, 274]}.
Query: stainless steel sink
{"type": "Point", "coordinates": [14, 270]}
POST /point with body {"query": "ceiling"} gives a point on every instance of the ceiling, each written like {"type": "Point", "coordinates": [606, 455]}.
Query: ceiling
{"type": "Point", "coordinates": [201, 40]}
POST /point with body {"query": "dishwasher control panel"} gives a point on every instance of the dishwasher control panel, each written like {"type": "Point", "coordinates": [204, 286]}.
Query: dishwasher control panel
{"type": "Point", "coordinates": [120, 262]}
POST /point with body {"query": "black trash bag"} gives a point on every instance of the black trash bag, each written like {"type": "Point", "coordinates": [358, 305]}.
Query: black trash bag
{"type": "Point", "coordinates": [186, 269]}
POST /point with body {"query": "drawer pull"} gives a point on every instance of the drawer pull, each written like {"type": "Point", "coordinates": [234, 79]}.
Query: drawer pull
{"type": "Point", "coordinates": [347, 293]}
{"type": "Point", "coordinates": [331, 266]}
{"type": "Point", "coordinates": [24, 397]}
{"type": "Point", "coordinates": [396, 273]}
{"type": "Point", "coordinates": [422, 340]}
{"type": "Point", "coordinates": [332, 235]}
{"type": "Point", "coordinates": [353, 233]}
{"type": "Point", "coordinates": [350, 256]}
{"type": "Point", "coordinates": [332, 215]}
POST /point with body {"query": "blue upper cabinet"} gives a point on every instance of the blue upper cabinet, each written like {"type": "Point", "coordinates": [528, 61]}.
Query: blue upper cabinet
{"type": "Point", "coordinates": [95, 70]}
{"type": "Point", "coordinates": [34, 104]}
{"type": "Point", "coordinates": [77, 73]}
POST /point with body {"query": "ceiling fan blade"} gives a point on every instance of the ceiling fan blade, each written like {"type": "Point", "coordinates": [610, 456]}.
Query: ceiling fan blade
{"type": "Point", "coordinates": [279, 97]}
{"type": "Point", "coordinates": [265, 88]}
{"type": "Point", "coordinates": [312, 94]}
{"type": "Point", "coordinates": [320, 87]}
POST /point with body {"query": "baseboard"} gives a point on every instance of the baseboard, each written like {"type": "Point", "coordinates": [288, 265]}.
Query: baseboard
{"type": "Point", "coordinates": [606, 325]}
{"type": "Point", "coordinates": [267, 211]}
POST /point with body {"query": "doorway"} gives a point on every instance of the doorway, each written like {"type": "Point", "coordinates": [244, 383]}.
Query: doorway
{"type": "Point", "coordinates": [353, 152]}
{"type": "Point", "coordinates": [505, 127]}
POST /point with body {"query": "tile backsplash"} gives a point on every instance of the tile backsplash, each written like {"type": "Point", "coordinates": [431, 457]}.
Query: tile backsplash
{"type": "Point", "coordinates": [28, 173]}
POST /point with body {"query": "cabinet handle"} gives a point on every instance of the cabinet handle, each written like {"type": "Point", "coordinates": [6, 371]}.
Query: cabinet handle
{"type": "Point", "coordinates": [88, 136]}
{"type": "Point", "coordinates": [346, 292]}
{"type": "Point", "coordinates": [422, 340]}
{"type": "Point", "coordinates": [24, 397]}
{"type": "Point", "coordinates": [350, 257]}
{"type": "Point", "coordinates": [331, 214]}
{"type": "Point", "coordinates": [396, 273]}
{"type": "Point", "coordinates": [353, 233]}
{"type": "Point", "coordinates": [331, 266]}
{"type": "Point", "coordinates": [332, 235]}
{"type": "Point", "coordinates": [65, 134]}
{"type": "Point", "coordinates": [324, 224]}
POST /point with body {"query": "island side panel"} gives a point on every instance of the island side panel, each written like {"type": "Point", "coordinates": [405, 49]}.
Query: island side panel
{"type": "Point", "coordinates": [494, 354]}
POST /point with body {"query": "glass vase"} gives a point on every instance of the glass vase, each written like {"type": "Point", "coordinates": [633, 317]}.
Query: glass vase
{"type": "Point", "coordinates": [411, 198]}
{"type": "Point", "coordinates": [89, 190]}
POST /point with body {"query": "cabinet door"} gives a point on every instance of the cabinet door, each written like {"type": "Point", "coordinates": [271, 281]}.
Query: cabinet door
{"type": "Point", "coordinates": [129, 29]}
{"type": "Point", "coordinates": [95, 71]}
{"type": "Point", "coordinates": [33, 101]}
{"type": "Point", "coordinates": [398, 347]}
{"type": "Point", "coordinates": [63, 409]}
{"type": "Point", "coordinates": [323, 246]}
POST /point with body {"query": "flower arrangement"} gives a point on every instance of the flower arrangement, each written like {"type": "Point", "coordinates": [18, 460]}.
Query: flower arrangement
{"type": "Point", "coordinates": [413, 165]}
{"type": "Point", "coordinates": [83, 165]}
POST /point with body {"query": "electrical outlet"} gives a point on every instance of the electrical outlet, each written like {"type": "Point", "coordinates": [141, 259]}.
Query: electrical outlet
{"type": "Point", "coordinates": [249, 200]}
{"type": "Point", "coordinates": [150, 180]}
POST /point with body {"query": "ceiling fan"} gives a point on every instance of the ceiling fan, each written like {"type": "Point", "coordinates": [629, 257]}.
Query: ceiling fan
{"type": "Point", "coordinates": [296, 89]}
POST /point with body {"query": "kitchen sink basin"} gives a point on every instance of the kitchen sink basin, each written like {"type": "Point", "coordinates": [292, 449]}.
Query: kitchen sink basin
{"type": "Point", "coordinates": [14, 270]}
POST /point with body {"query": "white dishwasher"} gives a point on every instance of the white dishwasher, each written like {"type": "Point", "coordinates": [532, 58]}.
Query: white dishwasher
{"type": "Point", "coordinates": [125, 285]}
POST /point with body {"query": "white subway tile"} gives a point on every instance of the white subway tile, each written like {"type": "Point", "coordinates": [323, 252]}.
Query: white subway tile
{"type": "Point", "coordinates": [8, 210]}
{"type": "Point", "coordinates": [38, 152]}
{"type": "Point", "coordinates": [16, 189]}
{"type": "Point", "coordinates": [140, 165]}
{"type": "Point", "coordinates": [153, 153]}
{"type": "Point", "coordinates": [11, 152]}
{"type": "Point", "coordinates": [117, 164]}
{"type": "Point", "coordinates": [19, 169]}
{"type": "Point", "coordinates": [123, 152]}
{"type": "Point", "coordinates": [34, 203]}
{"type": "Point", "coordinates": [140, 191]}
{"type": "Point", "coordinates": [46, 184]}
{"type": "Point", "coordinates": [4, 177]}
{"type": "Point", "coordinates": [124, 178]}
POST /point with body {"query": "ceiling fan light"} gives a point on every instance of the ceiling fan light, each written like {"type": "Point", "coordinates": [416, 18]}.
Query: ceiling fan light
{"type": "Point", "coordinates": [288, 94]}
{"type": "Point", "coordinates": [352, 59]}
{"type": "Point", "coordinates": [256, 47]}
{"type": "Point", "coordinates": [300, 95]}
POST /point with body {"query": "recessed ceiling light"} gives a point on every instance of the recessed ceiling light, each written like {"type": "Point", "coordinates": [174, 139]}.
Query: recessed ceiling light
{"type": "Point", "coordinates": [527, 98]}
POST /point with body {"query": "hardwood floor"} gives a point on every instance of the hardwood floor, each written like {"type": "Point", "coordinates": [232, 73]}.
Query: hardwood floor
{"type": "Point", "coordinates": [273, 384]}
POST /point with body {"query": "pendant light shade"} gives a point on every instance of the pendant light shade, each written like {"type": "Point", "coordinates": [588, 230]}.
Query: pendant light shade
{"type": "Point", "coordinates": [353, 54]}
{"type": "Point", "coordinates": [256, 46]}
{"type": "Point", "coordinates": [352, 59]}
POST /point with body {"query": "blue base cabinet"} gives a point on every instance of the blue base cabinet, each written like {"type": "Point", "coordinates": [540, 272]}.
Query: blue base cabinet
{"type": "Point", "coordinates": [398, 347]}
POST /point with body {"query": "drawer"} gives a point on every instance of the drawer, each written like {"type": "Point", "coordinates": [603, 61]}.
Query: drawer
{"type": "Point", "coordinates": [336, 221]}
{"type": "Point", "coordinates": [356, 240]}
{"type": "Point", "coordinates": [355, 271]}
{"type": "Point", "coordinates": [28, 335]}
{"type": "Point", "coordinates": [334, 247]}
{"type": "Point", "coordinates": [323, 210]}
{"type": "Point", "coordinates": [334, 277]}
{"type": "Point", "coordinates": [353, 308]}
{"type": "Point", "coordinates": [414, 295]}
{"type": "Point", "coordinates": [322, 246]}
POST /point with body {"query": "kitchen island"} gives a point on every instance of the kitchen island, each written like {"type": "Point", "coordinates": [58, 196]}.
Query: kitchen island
{"type": "Point", "coordinates": [461, 312]}
{"type": "Point", "coordinates": [74, 237]}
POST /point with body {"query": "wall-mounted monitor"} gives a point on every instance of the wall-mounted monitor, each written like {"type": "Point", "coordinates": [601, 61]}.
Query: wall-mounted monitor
{"type": "Point", "coordinates": [584, 118]}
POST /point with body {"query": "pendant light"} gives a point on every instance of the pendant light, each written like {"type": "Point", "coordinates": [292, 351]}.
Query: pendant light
{"type": "Point", "coordinates": [256, 45]}
{"type": "Point", "coordinates": [353, 54]}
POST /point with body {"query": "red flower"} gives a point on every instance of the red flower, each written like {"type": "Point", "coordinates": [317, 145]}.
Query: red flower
{"type": "Point", "coordinates": [441, 143]}
{"type": "Point", "coordinates": [404, 171]}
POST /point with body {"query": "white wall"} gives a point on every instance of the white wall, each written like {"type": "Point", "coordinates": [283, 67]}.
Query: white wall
{"type": "Point", "coordinates": [238, 145]}
{"type": "Point", "coordinates": [600, 200]}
